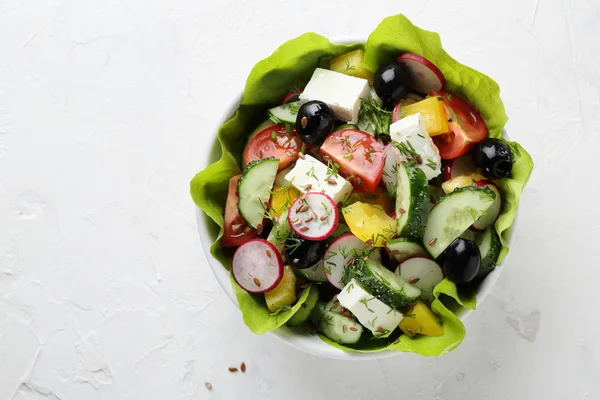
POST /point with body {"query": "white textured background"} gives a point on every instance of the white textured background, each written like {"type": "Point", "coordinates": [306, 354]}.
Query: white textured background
{"type": "Point", "coordinates": [105, 292]}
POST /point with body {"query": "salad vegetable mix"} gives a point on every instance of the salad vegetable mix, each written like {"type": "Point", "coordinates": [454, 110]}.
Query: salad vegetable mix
{"type": "Point", "coordinates": [368, 205]}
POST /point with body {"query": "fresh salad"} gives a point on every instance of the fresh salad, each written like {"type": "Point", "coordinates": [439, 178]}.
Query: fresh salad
{"type": "Point", "coordinates": [359, 194]}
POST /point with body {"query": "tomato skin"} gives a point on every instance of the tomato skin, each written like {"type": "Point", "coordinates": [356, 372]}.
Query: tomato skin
{"type": "Point", "coordinates": [359, 155]}
{"type": "Point", "coordinates": [285, 147]}
{"type": "Point", "coordinates": [463, 134]}
{"type": "Point", "coordinates": [233, 218]}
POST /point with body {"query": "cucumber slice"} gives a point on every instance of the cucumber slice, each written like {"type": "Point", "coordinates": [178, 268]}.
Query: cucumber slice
{"type": "Point", "coordinates": [412, 201]}
{"type": "Point", "coordinates": [285, 113]}
{"type": "Point", "coordinates": [489, 246]}
{"type": "Point", "coordinates": [389, 175]}
{"type": "Point", "coordinates": [303, 314]}
{"type": "Point", "coordinates": [402, 249]}
{"type": "Point", "coordinates": [338, 328]}
{"type": "Point", "coordinates": [280, 231]}
{"type": "Point", "coordinates": [453, 215]}
{"type": "Point", "coordinates": [315, 273]}
{"type": "Point", "coordinates": [254, 190]}
{"type": "Point", "coordinates": [383, 283]}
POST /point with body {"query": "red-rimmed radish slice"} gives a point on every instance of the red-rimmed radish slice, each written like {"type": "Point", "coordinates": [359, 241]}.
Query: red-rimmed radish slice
{"type": "Point", "coordinates": [257, 266]}
{"type": "Point", "coordinates": [422, 273]}
{"type": "Point", "coordinates": [290, 97]}
{"type": "Point", "coordinates": [425, 76]}
{"type": "Point", "coordinates": [313, 216]}
{"type": "Point", "coordinates": [458, 166]}
{"type": "Point", "coordinates": [339, 254]}
{"type": "Point", "coordinates": [492, 213]}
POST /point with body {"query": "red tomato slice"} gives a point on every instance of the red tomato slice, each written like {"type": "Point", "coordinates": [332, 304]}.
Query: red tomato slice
{"type": "Point", "coordinates": [236, 230]}
{"type": "Point", "coordinates": [466, 127]}
{"type": "Point", "coordinates": [275, 141]}
{"type": "Point", "coordinates": [359, 155]}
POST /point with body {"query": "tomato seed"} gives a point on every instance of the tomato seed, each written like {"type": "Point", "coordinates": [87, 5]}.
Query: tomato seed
{"type": "Point", "coordinates": [257, 282]}
{"type": "Point", "coordinates": [247, 229]}
{"type": "Point", "coordinates": [236, 228]}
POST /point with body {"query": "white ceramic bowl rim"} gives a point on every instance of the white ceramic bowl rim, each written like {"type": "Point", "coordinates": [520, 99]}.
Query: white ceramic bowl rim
{"type": "Point", "coordinates": [311, 344]}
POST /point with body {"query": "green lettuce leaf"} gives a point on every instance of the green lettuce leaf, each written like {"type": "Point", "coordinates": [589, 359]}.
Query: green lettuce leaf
{"type": "Point", "coordinates": [257, 316]}
{"type": "Point", "coordinates": [291, 66]}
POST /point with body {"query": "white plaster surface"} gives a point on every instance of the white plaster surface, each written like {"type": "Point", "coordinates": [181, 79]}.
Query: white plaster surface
{"type": "Point", "coordinates": [105, 293]}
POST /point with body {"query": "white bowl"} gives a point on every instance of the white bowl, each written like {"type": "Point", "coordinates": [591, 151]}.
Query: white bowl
{"type": "Point", "coordinates": [311, 344]}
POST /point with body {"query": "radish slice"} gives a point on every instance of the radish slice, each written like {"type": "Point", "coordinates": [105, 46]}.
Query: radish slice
{"type": "Point", "coordinates": [257, 266]}
{"type": "Point", "coordinates": [425, 76]}
{"type": "Point", "coordinates": [422, 273]}
{"type": "Point", "coordinates": [389, 175]}
{"type": "Point", "coordinates": [492, 213]}
{"type": "Point", "coordinates": [313, 216]}
{"type": "Point", "coordinates": [340, 252]}
{"type": "Point", "coordinates": [458, 166]}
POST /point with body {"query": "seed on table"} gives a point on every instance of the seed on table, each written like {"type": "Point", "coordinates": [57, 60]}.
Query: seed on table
{"type": "Point", "coordinates": [233, 369]}
{"type": "Point", "coordinates": [243, 367]}
{"type": "Point", "coordinates": [208, 385]}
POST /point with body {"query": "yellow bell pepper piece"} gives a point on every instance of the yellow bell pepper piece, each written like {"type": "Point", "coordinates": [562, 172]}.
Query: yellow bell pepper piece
{"type": "Point", "coordinates": [432, 112]}
{"type": "Point", "coordinates": [282, 198]}
{"type": "Point", "coordinates": [369, 223]}
{"type": "Point", "coordinates": [351, 64]}
{"type": "Point", "coordinates": [461, 181]}
{"type": "Point", "coordinates": [378, 198]}
{"type": "Point", "coordinates": [284, 294]}
{"type": "Point", "coordinates": [421, 320]}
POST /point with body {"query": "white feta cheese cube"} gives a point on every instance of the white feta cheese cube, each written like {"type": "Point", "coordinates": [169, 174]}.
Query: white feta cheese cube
{"type": "Point", "coordinates": [341, 92]}
{"type": "Point", "coordinates": [372, 313]}
{"type": "Point", "coordinates": [411, 140]}
{"type": "Point", "coordinates": [312, 174]}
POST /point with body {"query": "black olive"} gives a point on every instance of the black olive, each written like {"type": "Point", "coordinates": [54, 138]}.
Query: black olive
{"type": "Point", "coordinates": [494, 157]}
{"type": "Point", "coordinates": [314, 122]}
{"type": "Point", "coordinates": [460, 261]}
{"type": "Point", "coordinates": [391, 83]}
{"type": "Point", "coordinates": [302, 253]}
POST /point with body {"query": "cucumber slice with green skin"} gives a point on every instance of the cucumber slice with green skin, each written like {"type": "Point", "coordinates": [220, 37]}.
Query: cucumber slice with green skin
{"type": "Point", "coordinates": [383, 283]}
{"type": "Point", "coordinates": [402, 249]}
{"type": "Point", "coordinates": [492, 213]}
{"type": "Point", "coordinates": [254, 190]}
{"type": "Point", "coordinates": [280, 231]}
{"type": "Point", "coordinates": [316, 314]}
{"type": "Point", "coordinates": [303, 314]}
{"type": "Point", "coordinates": [315, 273]}
{"type": "Point", "coordinates": [338, 328]}
{"type": "Point", "coordinates": [453, 215]}
{"type": "Point", "coordinates": [285, 113]}
{"type": "Point", "coordinates": [489, 246]}
{"type": "Point", "coordinates": [412, 201]}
